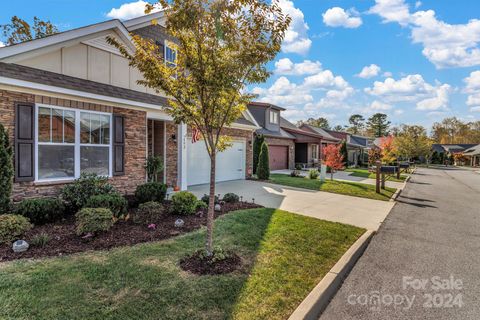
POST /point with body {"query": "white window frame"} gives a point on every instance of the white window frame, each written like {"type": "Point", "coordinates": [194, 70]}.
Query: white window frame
{"type": "Point", "coordinates": [275, 117]}
{"type": "Point", "coordinates": [315, 148]}
{"type": "Point", "coordinates": [165, 46]}
{"type": "Point", "coordinates": [77, 145]}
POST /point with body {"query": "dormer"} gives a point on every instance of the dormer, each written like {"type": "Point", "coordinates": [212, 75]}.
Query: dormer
{"type": "Point", "coordinates": [267, 115]}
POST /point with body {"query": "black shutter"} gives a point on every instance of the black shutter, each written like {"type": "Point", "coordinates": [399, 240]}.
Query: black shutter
{"type": "Point", "coordinates": [118, 145]}
{"type": "Point", "coordinates": [24, 142]}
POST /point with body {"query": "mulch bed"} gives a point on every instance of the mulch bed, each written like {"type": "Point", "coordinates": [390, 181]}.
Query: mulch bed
{"type": "Point", "coordinates": [64, 241]}
{"type": "Point", "coordinates": [200, 265]}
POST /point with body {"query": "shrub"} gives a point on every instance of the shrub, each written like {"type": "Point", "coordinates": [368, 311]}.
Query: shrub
{"type": "Point", "coordinates": [92, 220]}
{"type": "Point", "coordinates": [184, 203]}
{"type": "Point", "coordinates": [206, 199]}
{"type": "Point", "coordinates": [201, 206]}
{"type": "Point", "coordinates": [231, 198]}
{"type": "Point", "coordinates": [148, 212]}
{"type": "Point", "coordinates": [77, 194]}
{"type": "Point", "coordinates": [13, 226]}
{"type": "Point", "coordinates": [40, 240]}
{"type": "Point", "coordinates": [257, 146]}
{"type": "Point", "coordinates": [298, 166]}
{"type": "Point", "coordinates": [263, 169]}
{"type": "Point", "coordinates": [41, 210]}
{"type": "Point", "coordinates": [151, 191]}
{"type": "Point", "coordinates": [6, 170]}
{"type": "Point", "coordinates": [295, 173]}
{"type": "Point", "coordinates": [313, 174]}
{"type": "Point", "coordinates": [154, 167]}
{"type": "Point", "coordinates": [113, 201]}
{"type": "Point", "coordinates": [344, 152]}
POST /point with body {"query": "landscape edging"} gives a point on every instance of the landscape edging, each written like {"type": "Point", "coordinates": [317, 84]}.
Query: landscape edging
{"type": "Point", "coordinates": [317, 300]}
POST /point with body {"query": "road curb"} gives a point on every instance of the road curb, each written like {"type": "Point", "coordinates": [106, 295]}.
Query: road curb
{"type": "Point", "coordinates": [317, 300]}
{"type": "Point", "coordinates": [399, 190]}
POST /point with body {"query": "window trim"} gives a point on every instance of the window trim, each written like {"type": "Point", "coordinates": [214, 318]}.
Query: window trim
{"type": "Point", "coordinates": [276, 116]}
{"type": "Point", "coordinates": [77, 144]}
{"type": "Point", "coordinates": [165, 47]}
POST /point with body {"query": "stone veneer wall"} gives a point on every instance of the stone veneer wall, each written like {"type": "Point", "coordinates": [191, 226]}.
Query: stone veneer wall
{"type": "Point", "coordinates": [284, 142]}
{"type": "Point", "coordinates": [135, 142]}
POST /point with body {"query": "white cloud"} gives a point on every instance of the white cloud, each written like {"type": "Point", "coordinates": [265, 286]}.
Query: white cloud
{"type": "Point", "coordinates": [398, 112]}
{"type": "Point", "coordinates": [472, 86]}
{"type": "Point", "coordinates": [129, 10]}
{"type": "Point", "coordinates": [325, 80]}
{"type": "Point", "coordinates": [285, 66]}
{"type": "Point", "coordinates": [392, 11]}
{"type": "Point", "coordinates": [418, 4]}
{"type": "Point", "coordinates": [387, 74]}
{"type": "Point", "coordinates": [438, 102]}
{"type": "Point", "coordinates": [296, 37]}
{"type": "Point", "coordinates": [369, 71]}
{"type": "Point", "coordinates": [445, 45]}
{"type": "Point", "coordinates": [283, 93]}
{"type": "Point", "coordinates": [338, 17]}
{"type": "Point", "coordinates": [380, 106]}
{"type": "Point", "coordinates": [2, 44]}
{"type": "Point", "coordinates": [408, 88]}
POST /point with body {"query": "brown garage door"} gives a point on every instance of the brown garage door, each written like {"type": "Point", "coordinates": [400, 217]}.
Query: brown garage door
{"type": "Point", "coordinates": [278, 156]}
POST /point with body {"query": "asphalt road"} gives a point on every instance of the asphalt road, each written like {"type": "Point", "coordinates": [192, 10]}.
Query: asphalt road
{"type": "Point", "coordinates": [424, 262]}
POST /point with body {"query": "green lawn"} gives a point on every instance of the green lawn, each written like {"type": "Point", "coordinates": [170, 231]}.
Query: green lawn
{"type": "Point", "coordinates": [372, 175]}
{"type": "Point", "coordinates": [284, 256]}
{"type": "Point", "coordinates": [342, 187]}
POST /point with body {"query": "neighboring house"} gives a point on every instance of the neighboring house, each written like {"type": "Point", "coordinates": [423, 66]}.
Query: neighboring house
{"type": "Point", "coordinates": [71, 104]}
{"type": "Point", "coordinates": [473, 154]}
{"type": "Point", "coordinates": [451, 148]}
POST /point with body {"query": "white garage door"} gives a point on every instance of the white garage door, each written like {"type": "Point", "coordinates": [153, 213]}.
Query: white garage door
{"type": "Point", "coordinates": [230, 163]}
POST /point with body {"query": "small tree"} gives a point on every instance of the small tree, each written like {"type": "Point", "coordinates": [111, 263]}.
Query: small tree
{"type": "Point", "coordinates": [389, 151]}
{"type": "Point", "coordinates": [344, 153]}
{"type": "Point", "coordinates": [221, 48]}
{"type": "Point", "coordinates": [6, 170]}
{"type": "Point", "coordinates": [333, 158]}
{"type": "Point", "coordinates": [374, 155]}
{"type": "Point", "coordinates": [263, 168]}
{"type": "Point", "coordinates": [257, 146]}
{"type": "Point", "coordinates": [154, 167]}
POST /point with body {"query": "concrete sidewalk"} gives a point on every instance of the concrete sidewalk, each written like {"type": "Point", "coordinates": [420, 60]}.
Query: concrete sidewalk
{"type": "Point", "coordinates": [365, 213]}
{"type": "Point", "coordinates": [347, 176]}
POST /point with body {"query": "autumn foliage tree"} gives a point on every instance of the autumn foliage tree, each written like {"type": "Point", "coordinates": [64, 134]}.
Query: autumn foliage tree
{"type": "Point", "coordinates": [333, 158]}
{"type": "Point", "coordinates": [388, 149]}
{"type": "Point", "coordinates": [222, 47]}
{"type": "Point", "coordinates": [374, 155]}
{"type": "Point", "coordinates": [18, 30]}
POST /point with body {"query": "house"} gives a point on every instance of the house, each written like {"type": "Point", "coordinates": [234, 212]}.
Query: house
{"type": "Point", "coordinates": [473, 154]}
{"type": "Point", "coordinates": [71, 104]}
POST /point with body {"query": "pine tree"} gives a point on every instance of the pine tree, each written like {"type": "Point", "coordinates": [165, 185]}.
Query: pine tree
{"type": "Point", "coordinates": [344, 153]}
{"type": "Point", "coordinates": [6, 170]}
{"type": "Point", "coordinates": [263, 169]}
{"type": "Point", "coordinates": [257, 145]}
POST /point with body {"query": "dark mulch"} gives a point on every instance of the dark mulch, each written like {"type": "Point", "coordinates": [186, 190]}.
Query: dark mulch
{"type": "Point", "coordinates": [201, 265]}
{"type": "Point", "coordinates": [64, 241]}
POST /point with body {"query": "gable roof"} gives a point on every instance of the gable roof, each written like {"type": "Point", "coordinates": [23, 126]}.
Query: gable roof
{"type": "Point", "coordinates": [321, 132]}
{"type": "Point", "coordinates": [6, 53]}
{"type": "Point", "coordinates": [266, 105]}
{"type": "Point", "coordinates": [291, 128]}
{"type": "Point", "coordinates": [473, 151]}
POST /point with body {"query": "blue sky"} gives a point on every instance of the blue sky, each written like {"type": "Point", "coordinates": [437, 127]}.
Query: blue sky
{"type": "Point", "coordinates": [421, 58]}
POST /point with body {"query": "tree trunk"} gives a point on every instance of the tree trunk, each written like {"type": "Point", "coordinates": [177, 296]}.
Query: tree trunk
{"type": "Point", "coordinates": [211, 208]}
{"type": "Point", "coordinates": [331, 174]}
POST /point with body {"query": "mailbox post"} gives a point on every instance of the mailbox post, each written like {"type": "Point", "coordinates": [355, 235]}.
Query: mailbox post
{"type": "Point", "coordinates": [398, 170]}
{"type": "Point", "coordinates": [378, 164]}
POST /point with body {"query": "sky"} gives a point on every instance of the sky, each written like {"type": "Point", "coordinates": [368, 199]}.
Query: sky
{"type": "Point", "coordinates": [416, 61]}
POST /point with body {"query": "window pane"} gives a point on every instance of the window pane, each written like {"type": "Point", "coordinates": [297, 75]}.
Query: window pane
{"type": "Point", "coordinates": [55, 162]}
{"type": "Point", "coordinates": [95, 128]}
{"type": "Point", "coordinates": [57, 125]}
{"type": "Point", "coordinates": [95, 160]}
{"type": "Point", "coordinates": [69, 126]}
{"type": "Point", "coordinates": [84, 127]}
{"type": "Point", "coordinates": [105, 120]}
{"type": "Point", "coordinates": [44, 124]}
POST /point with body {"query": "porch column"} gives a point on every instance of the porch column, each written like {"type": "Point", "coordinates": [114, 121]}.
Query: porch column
{"type": "Point", "coordinates": [182, 156]}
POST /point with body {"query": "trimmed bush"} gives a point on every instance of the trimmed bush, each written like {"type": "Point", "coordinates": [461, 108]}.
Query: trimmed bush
{"type": "Point", "coordinates": [263, 169]}
{"type": "Point", "coordinates": [257, 146]}
{"type": "Point", "coordinates": [77, 194]}
{"type": "Point", "coordinates": [206, 199]}
{"type": "Point", "coordinates": [6, 170]}
{"type": "Point", "coordinates": [41, 210]}
{"type": "Point", "coordinates": [93, 220]}
{"type": "Point", "coordinates": [113, 201]}
{"type": "Point", "coordinates": [40, 240]}
{"type": "Point", "coordinates": [344, 153]}
{"type": "Point", "coordinates": [184, 203]}
{"type": "Point", "coordinates": [201, 206]}
{"type": "Point", "coordinates": [150, 191]}
{"type": "Point", "coordinates": [148, 212]}
{"type": "Point", "coordinates": [313, 174]}
{"type": "Point", "coordinates": [295, 173]}
{"type": "Point", "coordinates": [231, 198]}
{"type": "Point", "coordinates": [12, 227]}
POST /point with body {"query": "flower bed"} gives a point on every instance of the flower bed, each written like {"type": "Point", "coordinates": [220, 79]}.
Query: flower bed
{"type": "Point", "coordinates": [63, 240]}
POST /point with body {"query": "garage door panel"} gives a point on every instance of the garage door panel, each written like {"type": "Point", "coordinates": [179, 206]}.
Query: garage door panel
{"type": "Point", "coordinates": [230, 164]}
{"type": "Point", "coordinates": [278, 157]}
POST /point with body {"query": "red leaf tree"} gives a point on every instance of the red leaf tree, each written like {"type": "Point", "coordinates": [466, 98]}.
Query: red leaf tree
{"type": "Point", "coordinates": [333, 158]}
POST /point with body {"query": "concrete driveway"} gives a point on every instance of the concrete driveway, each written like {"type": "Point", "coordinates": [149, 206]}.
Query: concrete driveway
{"type": "Point", "coordinates": [359, 212]}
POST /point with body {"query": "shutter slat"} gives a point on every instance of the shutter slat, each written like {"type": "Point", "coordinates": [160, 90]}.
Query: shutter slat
{"type": "Point", "coordinates": [24, 142]}
{"type": "Point", "coordinates": [118, 145]}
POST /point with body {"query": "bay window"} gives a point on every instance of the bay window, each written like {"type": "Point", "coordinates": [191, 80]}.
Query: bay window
{"type": "Point", "coordinates": [70, 142]}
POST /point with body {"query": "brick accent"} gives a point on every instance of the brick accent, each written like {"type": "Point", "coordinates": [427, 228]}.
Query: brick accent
{"type": "Point", "coordinates": [284, 142]}
{"type": "Point", "coordinates": [135, 142]}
